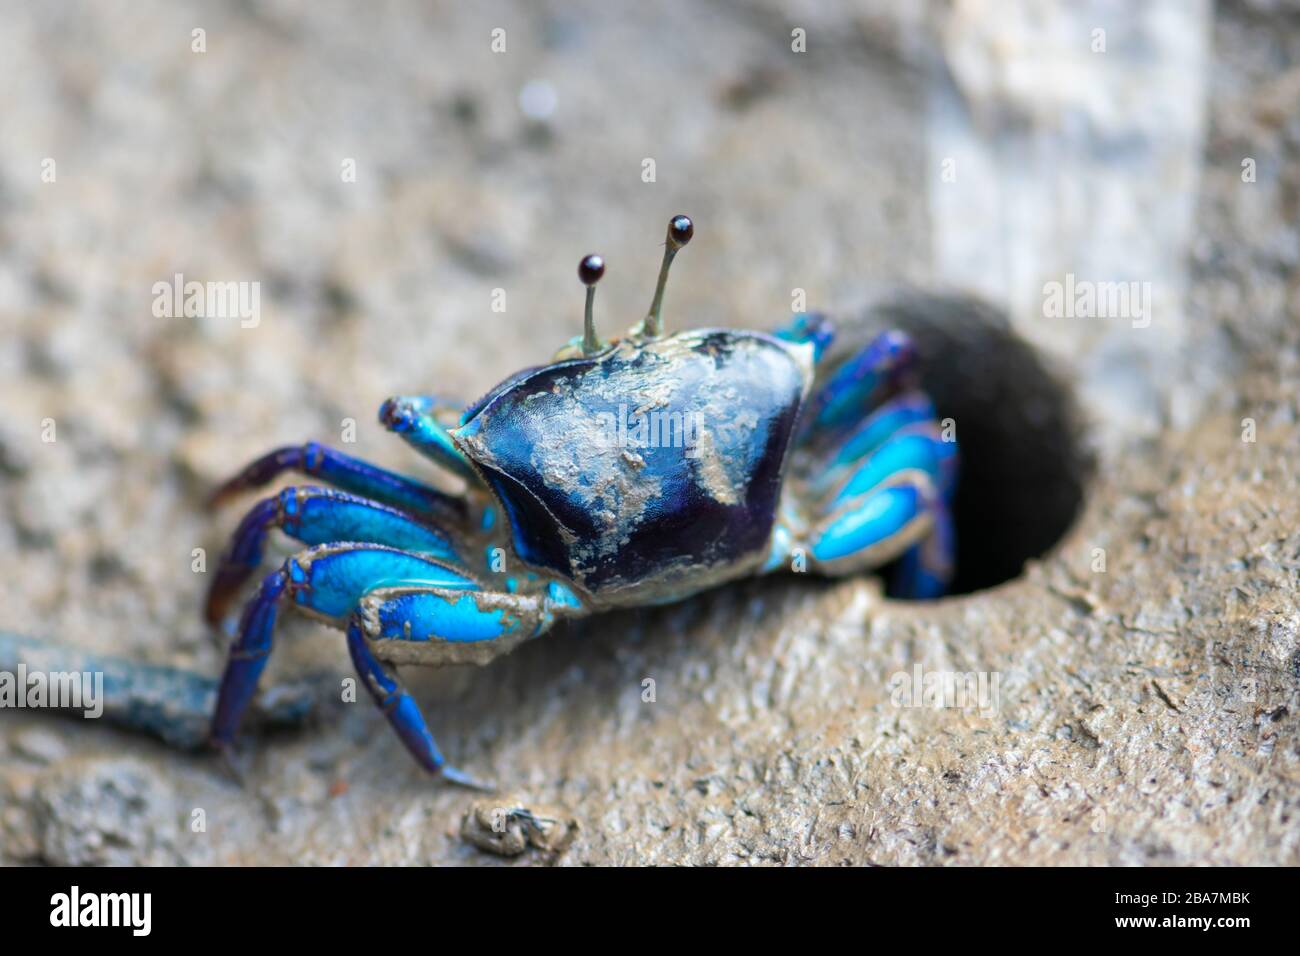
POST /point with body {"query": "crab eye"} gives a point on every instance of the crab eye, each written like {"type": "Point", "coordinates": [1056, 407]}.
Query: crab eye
{"type": "Point", "coordinates": [590, 269]}
{"type": "Point", "coordinates": [680, 230]}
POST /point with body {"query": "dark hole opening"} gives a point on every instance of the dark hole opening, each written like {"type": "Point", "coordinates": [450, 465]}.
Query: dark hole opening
{"type": "Point", "coordinates": [1024, 464]}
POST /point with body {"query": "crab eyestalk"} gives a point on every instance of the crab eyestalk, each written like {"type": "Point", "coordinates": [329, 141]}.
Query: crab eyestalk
{"type": "Point", "coordinates": [680, 230]}
{"type": "Point", "coordinates": [590, 269]}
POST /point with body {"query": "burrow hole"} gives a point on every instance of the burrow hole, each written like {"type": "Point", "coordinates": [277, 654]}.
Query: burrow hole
{"type": "Point", "coordinates": [1024, 462]}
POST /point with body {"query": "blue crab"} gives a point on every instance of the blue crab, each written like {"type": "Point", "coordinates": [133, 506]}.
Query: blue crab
{"type": "Point", "coordinates": [626, 473]}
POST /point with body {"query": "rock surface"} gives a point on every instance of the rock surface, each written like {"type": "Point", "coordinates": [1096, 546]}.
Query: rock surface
{"type": "Point", "coordinates": [1144, 713]}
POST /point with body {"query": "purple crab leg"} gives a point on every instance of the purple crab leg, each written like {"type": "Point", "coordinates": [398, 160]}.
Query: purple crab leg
{"type": "Point", "coordinates": [925, 569]}
{"type": "Point", "coordinates": [413, 418]}
{"type": "Point", "coordinates": [319, 516]}
{"type": "Point", "coordinates": [402, 711]}
{"type": "Point", "coordinates": [326, 581]}
{"type": "Point", "coordinates": [884, 367]}
{"type": "Point", "coordinates": [347, 473]}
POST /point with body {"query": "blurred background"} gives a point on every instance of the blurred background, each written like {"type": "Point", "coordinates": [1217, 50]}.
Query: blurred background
{"type": "Point", "coordinates": [386, 172]}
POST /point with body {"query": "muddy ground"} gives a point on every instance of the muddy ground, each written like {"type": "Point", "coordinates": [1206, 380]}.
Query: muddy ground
{"type": "Point", "coordinates": [1130, 555]}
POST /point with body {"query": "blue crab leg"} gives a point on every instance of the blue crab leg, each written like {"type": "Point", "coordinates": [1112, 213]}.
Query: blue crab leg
{"type": "Point", "coordinates": [347, 473]}
{"type": "Point", "coordinates": [326, 582]}
{"type": "Point", "coordinates": [873, 529]}
{"type": "Point", "coordinates": [892, 503]}
{"type": "Point", "coordinates": [806, 327]}
{"type": "Point", "coordinates": [413, 417]}
{"type": "Point", "coordinates": [912, 410]}
{"type": "Point", "coordinates": [882, 368]}
{"type": "Point", "coordinates": [459, 616]}
{"type": "Point", "coordinates": [891, 508]}
{"type": "Point", "coordinates": [319, 516]}
{"type": "Point", "coordinates": [915, 448]}
{"type": "Point", "coordinates": [450, 615]}
{"type": "Point", "coordinates": [432, 624]}
{"type": "Point", "coordinates": [905, 517]}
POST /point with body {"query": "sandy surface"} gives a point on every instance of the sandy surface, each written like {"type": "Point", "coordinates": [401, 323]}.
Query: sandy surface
{"type": "Point", "coordinates": [1146, 713]}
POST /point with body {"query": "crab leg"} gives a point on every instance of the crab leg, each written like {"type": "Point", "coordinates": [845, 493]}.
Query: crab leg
{"type": "Point", "coordinates": [903, 520]}
{"type": "Point", "coordinates": [319, 516]}
{"type": "Point", "coordinates": [910, 411]}
{"type": "Point", "coordinates": [347, 473]}
{"type": "Point", "coordinates": [450, 615]}
{"type": "Point", "coordinates": [917, 447]}
{"type": "Point", "coordinates": [465, 623]}
{"type": "Point", "coordinates": [877, 372]}
{"type": "Point", "coordinates": [412, 417]}
{"type": "Point", "coordinates": [327, 582]}
{"type": "Point", "coordinates": [891, 502]}
{"type": "Point", "coordinates": [402, 711]}
{"type": "Point", "coordinates": [926, 568]}
{"type": "Point", "coordinates": [875, 528]}
{"type": "Point", "coordinates": [889, 505]}
{"type": "Point", "coordinates": [882, 486]}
